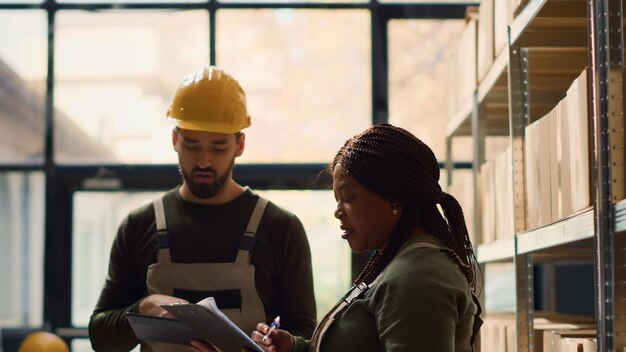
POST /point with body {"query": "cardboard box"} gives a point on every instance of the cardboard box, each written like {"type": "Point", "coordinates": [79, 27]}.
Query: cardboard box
{"type": "Point", "coordinates": [531, 172]}
{"type": "Point", "coordinates": [499, 330]}
{"type": "Point", "coordinates": [462, 188]}
{"type": "Point", "coordinates": [557, 160]}
{"type": "Point", "coordinates": [485, 53]}
{"type": "Point", "coordinates": [579, 344]}
{"type": "Point", "coordinates": [516, 6]}
{"type": "Point", "coordinates": [554, 141]}
{"type": "Point", "coordinates": [553, 339]}
{"type": "Point", "coordinates": [544, 214]}
{"type": "Point", "coordinates": [505, 224]}
{"type": "Point", "coordinates": [578, 120]}
{"type": "Point", "coordinates": [451, 79]}
{"type": "Point", "coordinates": [466, 62]}
{"type": "Point", "coordinates": [503, 16]}
{"type": "Point", "coordinates": [545, 321]}
{"type": "Point", "coordinates": [495, 332]}
{"type": "Point", "coordinates": [538, 179]}
{"type": "Point", "coordinates": [540, 333]}
{"type": "Point", "coordinates": [511, 338]}
{"type": "Point", "coordinates": [564, 169]}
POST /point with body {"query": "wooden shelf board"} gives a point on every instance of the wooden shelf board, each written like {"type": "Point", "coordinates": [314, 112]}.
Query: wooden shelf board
{"type": "Point", "coordinates": [499, 250]}
{"type": "Point", "coordinates": [461, 119]}
{"type": "Point", "coordinates": [569, 230]}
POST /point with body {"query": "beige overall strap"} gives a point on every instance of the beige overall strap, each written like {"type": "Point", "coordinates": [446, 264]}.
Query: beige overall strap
{"type": "Point", "coordinates": [162, 236]}
{"type": "Point", "coordinates": [352, 295]}
{"type": "Point", "coordinates": [247, 240]}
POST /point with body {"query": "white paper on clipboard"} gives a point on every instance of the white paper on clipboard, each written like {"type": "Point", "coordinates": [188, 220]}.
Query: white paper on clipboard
{"type": "Point", "coordinates": [207, 321]}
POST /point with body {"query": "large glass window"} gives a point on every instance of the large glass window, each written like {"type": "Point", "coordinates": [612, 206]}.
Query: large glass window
{"type": "Point", "coordinates": [292, 1]}
{"type": "Point", "coordinates": [131, 1]}
{"type": "Point", "coordinates": [21, 252]}
{"type": "Point", "coordinates": [19, 1]}
{"type": "Point", "coordinates": [116, 73]}
{"type": "Point", "coordinates": [330, 253]}
{"type": "Point", "coordinates": [98, 214]}
{"type": "Point", "coordinates": [23, 55]}
{"type": "Point", "coordinates": [307, 74]}
{"type": "Point", "coordinates": [427, 1]}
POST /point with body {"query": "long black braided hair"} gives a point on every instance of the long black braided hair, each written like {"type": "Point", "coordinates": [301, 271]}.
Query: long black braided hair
{"type": "Point", "coordinates": [396, 165]}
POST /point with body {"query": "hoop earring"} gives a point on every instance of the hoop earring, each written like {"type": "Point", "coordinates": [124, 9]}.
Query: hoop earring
{"type": "Point", "coordinates": [394, 211]}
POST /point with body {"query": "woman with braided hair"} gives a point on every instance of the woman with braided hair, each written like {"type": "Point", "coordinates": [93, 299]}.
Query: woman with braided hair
{"type": "Point", "coordinates": [417, 292]}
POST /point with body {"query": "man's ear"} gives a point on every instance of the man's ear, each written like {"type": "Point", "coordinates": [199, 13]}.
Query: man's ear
{"type": "Point", "coordinates": [241, 144]}
{"type": "Point", "coordinates": [175, 139]}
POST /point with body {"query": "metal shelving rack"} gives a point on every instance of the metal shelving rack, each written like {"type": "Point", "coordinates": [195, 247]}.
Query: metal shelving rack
{"type": "Point", "coordinates": [591, 35]}
{"type": "Point", "coordinates": [607, 62]}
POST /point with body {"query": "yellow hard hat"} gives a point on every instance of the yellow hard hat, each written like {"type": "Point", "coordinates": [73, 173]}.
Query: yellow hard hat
{"type": "Point", "coordinates": [209, 100]}
{"type": "Point", "coordinates": [41, 341]}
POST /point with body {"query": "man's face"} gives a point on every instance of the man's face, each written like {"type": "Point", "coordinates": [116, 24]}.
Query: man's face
{"type": "Point", "coordinates": [206, 159]}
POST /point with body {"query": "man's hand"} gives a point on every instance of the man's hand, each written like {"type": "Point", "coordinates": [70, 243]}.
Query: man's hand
{"type": "Point", "coordinates": [151, 305]}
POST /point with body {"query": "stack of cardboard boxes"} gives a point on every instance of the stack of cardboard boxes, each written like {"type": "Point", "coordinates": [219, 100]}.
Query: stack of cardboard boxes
{"type": "Point", "coordinates": [462, 188]}
{"type": "Point", "coordinates": [556, 168]}
{"type": "Point", "coordinates": [484, 37]}
{"type": "Point", "coordinates": [462, 64]}
{"type": "Point", "coordinates": [496, 179]}
{"type": "Point", "coordinates": [553, 333]}
{"type": "Point", "coordinates": [582, 340]}
{"type": "Point", "coordinates": [557, 161]}
{"type": "Point", "coordinates": [494, 17]}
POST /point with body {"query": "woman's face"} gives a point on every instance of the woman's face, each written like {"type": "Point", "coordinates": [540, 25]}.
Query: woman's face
{"type": "Point", "coordinates": [366, 218]}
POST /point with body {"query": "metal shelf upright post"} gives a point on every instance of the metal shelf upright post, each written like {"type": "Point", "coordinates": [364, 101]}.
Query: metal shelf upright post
{"type": "Point", "coordinates": [518, 120]}
{"type": "Point", "coordinates": [607, 111]}
{"type": "Point", "coordinates": [478, 156]}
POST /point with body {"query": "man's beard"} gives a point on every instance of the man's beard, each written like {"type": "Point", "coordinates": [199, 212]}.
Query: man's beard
{"type": "Point", "coordinates": [206, 190]}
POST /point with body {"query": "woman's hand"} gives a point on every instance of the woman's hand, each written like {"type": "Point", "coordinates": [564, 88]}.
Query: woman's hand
{"type": "Point", "coordinates": [278, 341]}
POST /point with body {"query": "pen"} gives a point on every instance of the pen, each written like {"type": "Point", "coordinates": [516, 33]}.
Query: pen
{"type": "Point", "coordinates": [275, 325]}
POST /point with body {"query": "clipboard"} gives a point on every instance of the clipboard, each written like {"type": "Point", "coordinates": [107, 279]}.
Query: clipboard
{"type": "Point", "coordinates": [151, 328]}
{"type": "Point", "coordinates": [208, 322]}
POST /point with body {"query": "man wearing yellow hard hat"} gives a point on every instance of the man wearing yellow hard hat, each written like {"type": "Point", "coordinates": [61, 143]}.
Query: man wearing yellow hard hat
{"type": "Point", "coordinates": [209, 236]}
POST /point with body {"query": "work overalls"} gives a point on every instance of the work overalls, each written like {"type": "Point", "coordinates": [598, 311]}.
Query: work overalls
{"type": "Point", "coordinates": [231, 284]}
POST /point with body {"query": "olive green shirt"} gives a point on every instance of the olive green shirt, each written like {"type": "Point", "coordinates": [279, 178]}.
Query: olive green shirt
{"type": "Point", "coordinates": [421, 303]}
